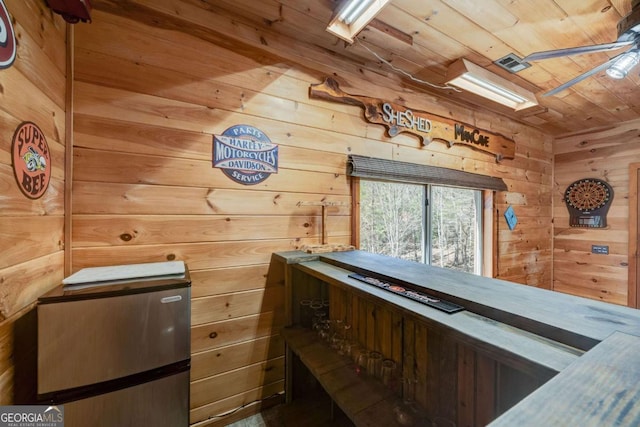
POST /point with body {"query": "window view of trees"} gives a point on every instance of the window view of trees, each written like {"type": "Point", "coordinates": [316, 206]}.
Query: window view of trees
{"type": "Point", "coordinates": [453, 228]}
{"type": "Point", "coordinates": [393, 221]}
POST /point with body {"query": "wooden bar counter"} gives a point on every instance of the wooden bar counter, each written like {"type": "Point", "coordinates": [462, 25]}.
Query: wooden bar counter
{"type": "Point", "coordinates": [515, 355]}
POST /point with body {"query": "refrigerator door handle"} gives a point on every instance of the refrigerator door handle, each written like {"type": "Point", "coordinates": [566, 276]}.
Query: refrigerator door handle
{"type": "Point", "coordinates": [174, 298]}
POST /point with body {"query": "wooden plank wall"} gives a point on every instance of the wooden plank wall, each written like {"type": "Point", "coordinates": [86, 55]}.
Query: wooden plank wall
{"type": "Point", "coordinates": [31, 231]}
{"type": "Point", "coordinates": [604, 154]}
{"type": "Point", "coordinates": [148, 99]}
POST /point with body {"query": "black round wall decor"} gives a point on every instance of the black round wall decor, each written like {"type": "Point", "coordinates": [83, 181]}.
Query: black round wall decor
{"type": "Point", "coordinates": [588, 201]}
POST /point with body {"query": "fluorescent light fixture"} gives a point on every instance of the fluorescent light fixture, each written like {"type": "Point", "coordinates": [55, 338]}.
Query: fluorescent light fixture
{"type": "Point", "coordinates": [353, 16]}
{"type": "Point", "coordinates": [475, 79]}
{"type": "Point", "coordinates": [353, 9]}
{"type": "Point", "coordinates": [621, 67]}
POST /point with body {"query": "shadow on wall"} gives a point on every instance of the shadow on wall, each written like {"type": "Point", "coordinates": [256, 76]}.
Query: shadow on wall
{"type": "Point", "coordinates": [25, 358]}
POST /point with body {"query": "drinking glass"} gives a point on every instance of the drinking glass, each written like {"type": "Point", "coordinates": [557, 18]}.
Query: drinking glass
{"type": "Point", "coordinates": [356, 349]}
{"type": "Point", "coordinates": [346, 348]}
{"type": "Point", "coordinates": [324, 329]}
{"type": "Point", "coordinates": [388, 374]}
{"type": "Point", "coordinates": [346, 334]}
{"type": "Point", "coordinates": [374, 364]}
{"type": "Point", "coordinates": [409, 387]}
{"type": "Point", "coordinates": [336, 338]}
{"type": "Point", "coordinates": [347, 343]}
{"type": "Point", "coordinates": [305, 313]}
{"type": "Point", "coordinates": [362, 360]}
{"type": "Point", "coordinates": [318, 315]}
{"type": "Point", "coordinates": [407, 413]}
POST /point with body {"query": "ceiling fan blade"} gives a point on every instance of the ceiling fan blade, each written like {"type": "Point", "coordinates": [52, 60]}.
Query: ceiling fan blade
{"type": "Point", "coordinates": [583, 76]}
{"type": "Point", "coordinates": [576, 50]}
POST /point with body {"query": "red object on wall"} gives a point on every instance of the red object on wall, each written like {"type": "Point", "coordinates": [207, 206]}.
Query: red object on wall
{"type": "Point", "coordinates": [73, 11]}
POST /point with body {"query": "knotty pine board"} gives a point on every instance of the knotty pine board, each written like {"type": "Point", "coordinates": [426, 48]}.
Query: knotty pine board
{"type": "Point", "coordinates": [14, 203]}
{"type": "Point", "coordinates": [48, 32]}
{"type": "Point", "coordinates": [50, 82]}
{"type": "Point", "coordinates": [221, 359]}
{"type": "Point", "coordinates": [226, 332]}
{"type": "Point", "coordinates": [210, 415]}
{"type": "Point", "coordinates": [134, 137]}
{"type": "Point", "coordinates": [23, 283]}
{"type": "Point", "coordinates": [227, 384]}
{"type": "Point", "coordinates": [227, 280]}
{"type": "Point", "coordinates": [23, 100]}
{"type": "Point", "coordinates": [138, 199]}
{"type": "Point", "coordinates": [44, 236]}
{"type": "Point", "coordinates": [595, 138]}
{"type": "Point", "coordinates": [295, 157]}
{"type": "Point", "coordinates": [196, 255]}
{"type": "Point", "coordinates": [105, 230]}
{"type": "Point", "coordinates": [106, 166]}
{"type": "Point", "coordinates": [238, 304]}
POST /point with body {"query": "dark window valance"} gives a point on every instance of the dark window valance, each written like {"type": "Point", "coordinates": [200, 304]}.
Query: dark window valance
{"type": "Point", "coordinates": [390, 170]}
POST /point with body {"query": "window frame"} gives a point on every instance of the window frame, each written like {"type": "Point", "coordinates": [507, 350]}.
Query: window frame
{"type": "Point", "coordinates": [484, 246]}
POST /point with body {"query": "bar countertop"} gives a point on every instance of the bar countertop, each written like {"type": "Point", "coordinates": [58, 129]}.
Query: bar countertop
{"type": "Point", "coordinates": [571, 320]}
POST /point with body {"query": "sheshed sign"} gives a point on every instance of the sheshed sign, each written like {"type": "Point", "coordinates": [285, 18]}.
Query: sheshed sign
{"type": "Point", "coordinates": [245, 154]}
{"type": "Point", "coordinates": [428, 127]}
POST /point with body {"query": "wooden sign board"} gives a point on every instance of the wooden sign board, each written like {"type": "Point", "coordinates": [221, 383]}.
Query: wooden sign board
{"type": "Point", "coordinates": [428, 127]}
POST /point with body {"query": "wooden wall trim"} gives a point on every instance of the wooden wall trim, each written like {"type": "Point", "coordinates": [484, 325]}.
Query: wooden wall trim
{"type": "Point", "coordinates": [355, 211]}
{"type": "Point", "coordinates": [489, 234]}
{"type": "Point", "coordinates": [632, 296]}
{"type": "Point", "coordinates": [68, 152]}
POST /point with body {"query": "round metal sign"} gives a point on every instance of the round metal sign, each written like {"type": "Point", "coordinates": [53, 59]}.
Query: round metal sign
{"type": "Point", "coordinates": [245, 154]}
{"type": "Point", "coordinates": [31, 160]}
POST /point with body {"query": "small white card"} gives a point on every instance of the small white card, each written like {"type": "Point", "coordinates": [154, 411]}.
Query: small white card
{"type": "Point", "coordinates": [125, 272]}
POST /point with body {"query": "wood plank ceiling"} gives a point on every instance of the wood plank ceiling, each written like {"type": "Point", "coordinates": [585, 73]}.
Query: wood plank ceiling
{"type": "Point", "coordinates": [423, 37]}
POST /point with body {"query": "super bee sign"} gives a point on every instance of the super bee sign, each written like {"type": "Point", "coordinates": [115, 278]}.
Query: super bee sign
{"type": "Point", "coordinates": [245, 154]}
{"type": "Point", "coordinates": [31, 160]}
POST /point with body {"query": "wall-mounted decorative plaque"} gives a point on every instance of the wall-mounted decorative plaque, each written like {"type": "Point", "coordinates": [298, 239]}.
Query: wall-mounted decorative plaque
{"type": "Point", "coordinates": [588, 201]}
{"type": "Point", "coordinates": [31, 160]}
{"type": "Point", "coordinates": [245, 154]}
{"type": "Point", "coordinates": [426, 126]}
{"type": "Point", "coordinates": [510, 217]}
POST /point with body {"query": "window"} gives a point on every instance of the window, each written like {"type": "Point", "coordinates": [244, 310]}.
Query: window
{"type": "Point", "coordinates": [428, 223]}
{"type": "Point", "coordinates": [425, 213]}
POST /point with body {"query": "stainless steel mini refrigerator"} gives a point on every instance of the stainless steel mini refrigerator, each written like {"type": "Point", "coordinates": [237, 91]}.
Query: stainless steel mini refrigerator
{"type": "Point", "coordinates": [116, 351]}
